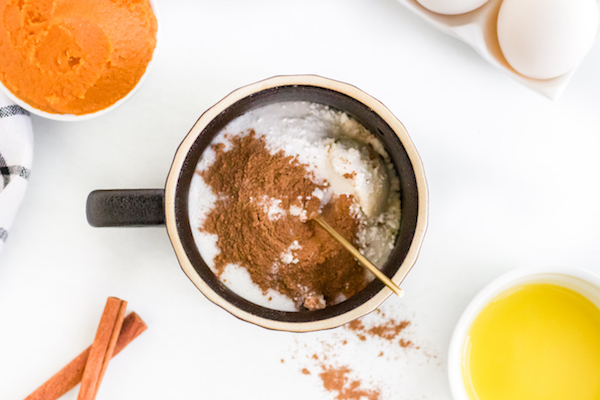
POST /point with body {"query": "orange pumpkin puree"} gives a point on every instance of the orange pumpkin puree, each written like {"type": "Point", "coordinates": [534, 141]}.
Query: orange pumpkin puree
{"type": "Point", "coordinates": [74, 56]}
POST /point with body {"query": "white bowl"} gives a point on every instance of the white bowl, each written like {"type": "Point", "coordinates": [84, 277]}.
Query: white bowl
{"type": "Point", "coordinates": [583, 282]}
{"type": "Point", "coordinates": [73, 117]}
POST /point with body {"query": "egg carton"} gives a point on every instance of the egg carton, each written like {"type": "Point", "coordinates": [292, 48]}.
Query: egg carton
{"type": "Point", "coordinates": [478, 29]}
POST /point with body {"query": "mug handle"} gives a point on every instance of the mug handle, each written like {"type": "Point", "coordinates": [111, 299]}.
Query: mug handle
{"type": "Point", "coordinates": [127, 207]}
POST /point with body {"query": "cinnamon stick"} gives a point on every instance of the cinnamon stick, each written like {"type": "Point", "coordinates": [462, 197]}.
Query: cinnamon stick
{"type": "Point", "coordinates": [68, 377]}
{"type": "Point", "coordinates": [102, 347]}
{"type": "Point", "coordinates": [111, 348]}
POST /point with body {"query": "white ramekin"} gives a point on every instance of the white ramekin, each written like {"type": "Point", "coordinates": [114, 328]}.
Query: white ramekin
{"type": "Point", "coordinates": [73, 117]}
{"type": "Point", "coordinates": [582, 281]}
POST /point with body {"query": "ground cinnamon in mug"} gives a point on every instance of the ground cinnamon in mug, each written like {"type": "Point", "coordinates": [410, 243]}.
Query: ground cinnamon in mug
{"type": "Point", "coordinates": [260, 217]}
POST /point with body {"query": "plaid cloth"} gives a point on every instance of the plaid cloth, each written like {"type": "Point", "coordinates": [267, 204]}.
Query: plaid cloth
{"type": "Point", "coordinates": [16, 153]}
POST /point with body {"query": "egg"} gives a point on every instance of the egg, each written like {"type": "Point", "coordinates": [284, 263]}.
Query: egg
{"type": "Point", "coordinates": [543, 39]}
{"type": "Point", "coordinates": [451, 7]}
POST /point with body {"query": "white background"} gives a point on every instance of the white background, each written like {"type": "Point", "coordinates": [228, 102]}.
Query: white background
{"type": "Point", "coordinates": [513, 180]}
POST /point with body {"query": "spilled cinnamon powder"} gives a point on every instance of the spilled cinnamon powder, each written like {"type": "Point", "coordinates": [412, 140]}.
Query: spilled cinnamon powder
{"type": "Point", "coordinates": [388, 330]}
{"type": "Point", "coordinates": [336, 380]}
{"type": "Point", "coordinates": [262, 216]}
{"type": "Point", "coordinates": [378, 367]}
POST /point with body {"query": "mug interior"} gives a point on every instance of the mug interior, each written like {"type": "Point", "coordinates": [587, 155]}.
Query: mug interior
{"type": "Point", "coordinates": [409, 196]}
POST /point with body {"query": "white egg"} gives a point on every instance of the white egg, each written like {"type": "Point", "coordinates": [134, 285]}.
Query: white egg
{"type": "Point", "coordinates": [451, 7]}
{"type": "Point", "coordinates": [543, 39]}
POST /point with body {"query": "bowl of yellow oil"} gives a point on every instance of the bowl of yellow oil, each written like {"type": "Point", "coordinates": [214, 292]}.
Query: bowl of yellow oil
{"type": "Point", "coordinates": [532, 334]}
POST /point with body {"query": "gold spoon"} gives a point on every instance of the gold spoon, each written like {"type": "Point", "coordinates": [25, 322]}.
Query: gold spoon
{"type": "Point", "coordinates": [362, 259]}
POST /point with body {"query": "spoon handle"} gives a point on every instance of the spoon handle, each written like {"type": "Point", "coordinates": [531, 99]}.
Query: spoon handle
{"type": "Point", "coordinates": [362, 259]}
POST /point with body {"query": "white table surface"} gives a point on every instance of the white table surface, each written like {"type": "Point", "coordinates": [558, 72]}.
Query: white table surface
{"type": "Point", "coordinates": [513, 180]}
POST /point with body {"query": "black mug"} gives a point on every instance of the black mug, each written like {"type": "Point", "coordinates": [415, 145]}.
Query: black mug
{"type": "Point", "coordinates": [169, 206]}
